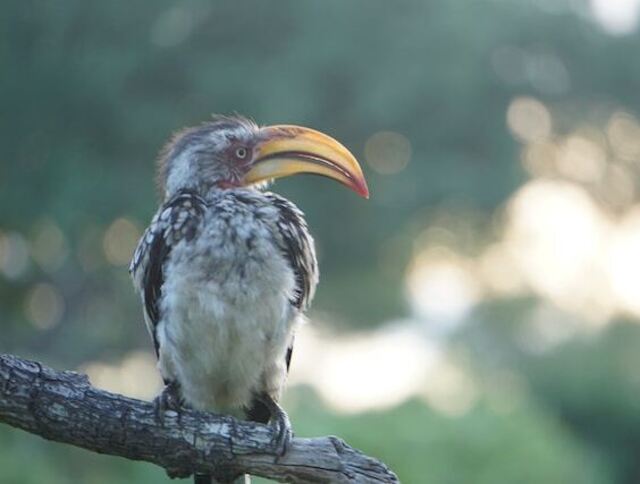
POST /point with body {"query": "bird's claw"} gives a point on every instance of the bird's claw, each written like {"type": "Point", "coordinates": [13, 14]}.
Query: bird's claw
{"type": "Point", "coordinates": [283, 433]}
{"type": "Point", "coordinates": [169, 399]}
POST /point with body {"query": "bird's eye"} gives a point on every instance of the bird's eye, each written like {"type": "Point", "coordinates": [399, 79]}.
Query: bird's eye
{"type": "Point", "coordinates": [241, 153]}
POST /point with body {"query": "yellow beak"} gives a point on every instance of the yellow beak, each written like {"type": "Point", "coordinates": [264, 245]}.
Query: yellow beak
{"type": "Point", "coordinates": [285, 150]}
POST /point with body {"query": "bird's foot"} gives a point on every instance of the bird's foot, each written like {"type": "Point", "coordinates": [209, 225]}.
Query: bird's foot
{"type": "Point", "coordinates": [279, 421]}
{"type": "Point", "coordinates": [169, 399]}
{"type": "Point", "coordinates": [283, 431]}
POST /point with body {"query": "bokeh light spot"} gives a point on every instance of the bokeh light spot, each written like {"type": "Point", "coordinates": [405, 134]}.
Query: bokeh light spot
{"type": "Point", "coordinates": [623, 132]}
{"type": "Point", "coordinates": [120, 241]}
{"type": "Point", "coordinates": [581, 159]}
{"type": "Point", "coordinates": [44, 306]}
{"type": "Point", "coordinates": [624, 262]}
{"type": "Point", "coordinates": [496, 266]}
{"type": "Point", "coordinates": [617, 17]}
{"type": "Point", "coordinates": [441, 288]}
{"type": "Point", "coordinates": [387, 152]}
{"type": "Point", "coordinates": [547, 73]}
{"type": "Point", "coordinates": [528, 119]}
{"type": "Point", "coordinates": [539, 158]}
{"type": "Point", "coordinates": [14, 255]}
{"type": "Point", "coordinates": [554, 230]}
{"type": "Point", "coordinates": [619, 186]}
{"type": "Point", "coordinates": [49, 246]}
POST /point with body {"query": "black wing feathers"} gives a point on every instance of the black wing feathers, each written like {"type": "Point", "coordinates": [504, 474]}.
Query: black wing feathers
{"type": "Point", "coordinates": [153, 279]}
{"type": "Point", "coordinates": [176, 220]}
{"type": "Point", "coordinates": [298, 248]}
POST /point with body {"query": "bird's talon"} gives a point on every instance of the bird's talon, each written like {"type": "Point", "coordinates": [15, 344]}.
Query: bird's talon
{"type": "Point", "coordinates": [282, 434]}
{"type": "Point", "coordinates": [169, 399]}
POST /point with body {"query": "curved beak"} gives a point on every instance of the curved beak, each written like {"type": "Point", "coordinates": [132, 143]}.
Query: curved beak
{"type": "Point", "coordinates": [285, 150]}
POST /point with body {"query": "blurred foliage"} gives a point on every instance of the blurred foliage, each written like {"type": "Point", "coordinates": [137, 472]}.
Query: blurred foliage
{"type": "Point", "coordinates": [589, 382]}
{"type": "Point", "coordinates": [608, 418]}
{"type": "Point", "coordinates": [91, 90]}
{"type": "Point", "coordinates": [484, 446]}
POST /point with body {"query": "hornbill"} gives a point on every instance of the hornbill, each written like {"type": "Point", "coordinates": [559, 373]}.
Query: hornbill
{"type": "Point", "coordinates": [226, 269]}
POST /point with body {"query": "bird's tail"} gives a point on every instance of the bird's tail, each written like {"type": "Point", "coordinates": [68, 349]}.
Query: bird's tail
{"type": "Point", "coordinates": [207, 479]}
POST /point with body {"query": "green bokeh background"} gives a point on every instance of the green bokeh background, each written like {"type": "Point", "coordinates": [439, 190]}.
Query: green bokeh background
{"type": "Point", "coordinates": [91, 90]}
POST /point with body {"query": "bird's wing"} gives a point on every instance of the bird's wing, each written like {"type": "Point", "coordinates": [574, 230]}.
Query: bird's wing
{"type": "Point", "coordinates": [296, 244]}
{"type": "Point", "coordinates": [176, 220]}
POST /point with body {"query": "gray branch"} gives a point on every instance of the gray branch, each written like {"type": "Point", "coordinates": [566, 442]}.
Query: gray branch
{"type": "Point", "coordinates": [64, 407]}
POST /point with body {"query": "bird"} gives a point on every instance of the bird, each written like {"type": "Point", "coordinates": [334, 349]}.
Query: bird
{"type": "Point", "coordinates": [226, 269]}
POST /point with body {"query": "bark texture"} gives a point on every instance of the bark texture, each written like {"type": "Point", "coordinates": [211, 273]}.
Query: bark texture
{"type": "Point", "coordinates": [63, 406]}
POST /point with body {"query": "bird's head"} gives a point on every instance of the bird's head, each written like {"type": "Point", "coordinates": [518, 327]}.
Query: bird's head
{"type": "Point", "coordinates": [230, 152]}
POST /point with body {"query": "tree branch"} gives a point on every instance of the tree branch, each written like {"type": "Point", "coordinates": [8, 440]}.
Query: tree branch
{"type": "Point", "coordinates": [64, 407]}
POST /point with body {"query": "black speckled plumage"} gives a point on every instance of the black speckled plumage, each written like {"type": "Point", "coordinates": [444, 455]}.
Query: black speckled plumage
{"type": "Point", "coordinates": [176, 220]}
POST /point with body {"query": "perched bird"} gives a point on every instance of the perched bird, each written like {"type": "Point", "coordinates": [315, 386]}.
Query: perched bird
{"type": "Point", "coordinates": [226, 269]}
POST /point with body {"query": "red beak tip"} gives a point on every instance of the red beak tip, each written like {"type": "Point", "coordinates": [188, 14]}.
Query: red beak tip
{"type": "Point", "coordinates": [362, 189]}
